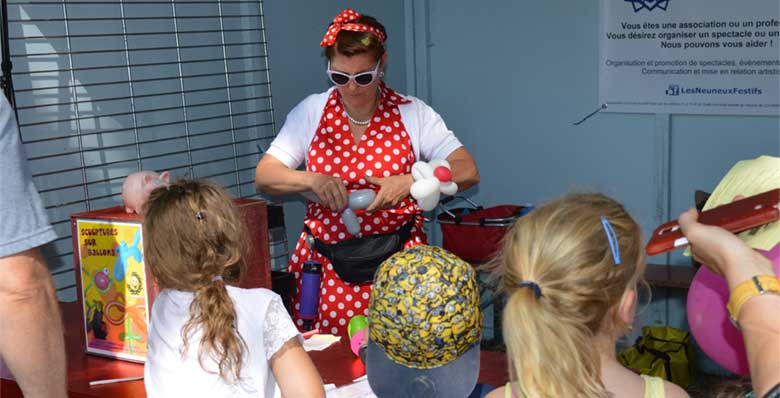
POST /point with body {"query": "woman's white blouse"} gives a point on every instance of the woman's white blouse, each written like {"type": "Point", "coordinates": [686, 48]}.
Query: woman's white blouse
{"type": "Point", "coordinates": [430, 137]}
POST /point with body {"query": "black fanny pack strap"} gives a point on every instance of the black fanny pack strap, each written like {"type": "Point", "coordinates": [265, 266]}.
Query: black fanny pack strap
{"type": "Point", "coordinates": [406, 230]}
{"type": "Point", "coordinates": [356, 260]}
{"type": "Point", "coordinates": [403, 233]}
{"type": "Point", "coordinates": [320, 246]}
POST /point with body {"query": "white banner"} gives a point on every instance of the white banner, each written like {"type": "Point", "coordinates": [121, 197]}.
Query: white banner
{"type": "Point", "coordinates": [690, 56]}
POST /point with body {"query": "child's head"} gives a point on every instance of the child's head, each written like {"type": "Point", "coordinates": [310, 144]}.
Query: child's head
{"type": "Point", "coordinates": [734, 388]}
{"type": "Point", "coordinates": [424, 326]}
{"type": "Point", "coordinates": [565, 291]}
{"type": "Point", "coordinates": [193, 241]}
{"type": "Point", "coordinates": [192, 234]}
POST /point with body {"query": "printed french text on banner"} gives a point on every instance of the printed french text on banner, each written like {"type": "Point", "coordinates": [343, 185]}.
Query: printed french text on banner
{"type": "Point", "coordinates": [690, 56]}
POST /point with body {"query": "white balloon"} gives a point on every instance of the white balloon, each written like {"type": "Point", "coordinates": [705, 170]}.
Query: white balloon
{"type": "Point", "coordinates": [439, 162]}
{"type": "Point", "coordinates": [449, 188]}
{"type": "Point", "coordinates": [423, 188]}
{"type": "Point", "coordinates": [360, 199]}
{"type": "Point", "coordinates": [426, 192]}
{"type": "Point", "coordinates": [421, 171]}
{"type": "Point", "coordinates": [429, 203]}
{"type": "Point", "coordinates": [350, 221]}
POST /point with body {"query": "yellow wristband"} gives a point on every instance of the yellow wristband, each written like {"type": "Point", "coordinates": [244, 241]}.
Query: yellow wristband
{"type": "Point", "coordinates": [755, 286]}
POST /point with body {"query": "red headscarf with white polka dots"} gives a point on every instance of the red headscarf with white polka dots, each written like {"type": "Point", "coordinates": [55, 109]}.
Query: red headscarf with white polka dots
{"type": "Point", "coordinates": [341, 22]}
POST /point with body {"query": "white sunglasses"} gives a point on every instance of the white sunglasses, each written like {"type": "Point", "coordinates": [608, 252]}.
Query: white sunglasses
{"type": "Point", "coordinates": [361, 79]}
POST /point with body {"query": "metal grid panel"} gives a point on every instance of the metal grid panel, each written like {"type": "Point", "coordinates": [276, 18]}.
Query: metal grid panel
{"type": "Point", "coordinates": [106, 88]}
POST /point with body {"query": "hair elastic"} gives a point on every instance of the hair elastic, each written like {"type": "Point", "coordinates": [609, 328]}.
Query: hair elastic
{"type": "Point", "coordinates": [216, 278]}
{"type": "Point", "coordinates": [612, 238]}
{"type": "Point", "coordinates": [533, 286]}
{"type": "Point", "coordinates": [199, 216]}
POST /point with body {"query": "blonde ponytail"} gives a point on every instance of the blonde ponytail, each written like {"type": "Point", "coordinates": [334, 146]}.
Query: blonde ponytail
{"type": "Point", "coordinates": [562, 285]}
{"type": "Point", "coordinates": [550, 357]}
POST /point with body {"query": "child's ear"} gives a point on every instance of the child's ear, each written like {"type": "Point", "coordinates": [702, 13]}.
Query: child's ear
{"type": "Point", "coordinates": [166, 176]}
{"type": "Point", "coordinates": [627, 308]}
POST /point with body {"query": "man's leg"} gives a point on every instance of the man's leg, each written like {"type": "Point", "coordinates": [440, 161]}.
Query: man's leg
{"type": "Point", "coordinates": [31, 340]}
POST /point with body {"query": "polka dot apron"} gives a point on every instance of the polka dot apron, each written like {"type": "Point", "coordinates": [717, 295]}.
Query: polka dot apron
{"type": "Point", "coordinates": [384, 150]}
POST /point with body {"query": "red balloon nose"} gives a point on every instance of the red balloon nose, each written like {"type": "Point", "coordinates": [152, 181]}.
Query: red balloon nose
{"type": "Point", "coordinates": [443, 174]}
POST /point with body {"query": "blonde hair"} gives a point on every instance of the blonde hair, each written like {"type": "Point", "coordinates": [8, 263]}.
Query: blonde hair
{"type": "Point", "coordinates": [193, 241]}
{"type": "Point", "coordinates": [563, 248]}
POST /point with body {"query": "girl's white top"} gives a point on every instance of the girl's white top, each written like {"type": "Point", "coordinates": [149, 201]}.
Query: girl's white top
{"type": "Point", "coordinates": [263, 323]}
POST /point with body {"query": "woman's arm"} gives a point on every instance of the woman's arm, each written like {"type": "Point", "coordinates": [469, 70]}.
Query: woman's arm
{"type": "Point", "coordinates": [274, 177]}
{"type": "Point", "coordinates": [760, 327]}
{"type": "Point", "coordinates": [396, 188]}
{"type": "Point", "coordinates": [295, 373]}
{"type": "Point", "coordinates": [464, 170]}
{"type": "Point", "coordinates": [758, 320]}
{"type": "Point", "coordinates": [437, 141]}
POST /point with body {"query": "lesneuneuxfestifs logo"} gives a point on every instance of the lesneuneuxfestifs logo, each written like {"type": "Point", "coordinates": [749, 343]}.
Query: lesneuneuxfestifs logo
{"type": "Point", "coordinates": [649, 5]}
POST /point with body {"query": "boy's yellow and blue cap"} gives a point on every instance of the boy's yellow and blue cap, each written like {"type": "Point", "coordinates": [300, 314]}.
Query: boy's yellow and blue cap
{"type": "Point", "coordinates": [424, 325]}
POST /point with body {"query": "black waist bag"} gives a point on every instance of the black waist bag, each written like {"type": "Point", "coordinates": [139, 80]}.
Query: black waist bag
{"type": "Point", "coordinates": [356, 260]}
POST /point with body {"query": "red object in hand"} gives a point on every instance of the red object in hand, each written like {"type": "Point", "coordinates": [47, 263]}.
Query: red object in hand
{"type": "Point", "coordinates": [736, 217]}
{"type": "Point", "coordinates": [443, 174]}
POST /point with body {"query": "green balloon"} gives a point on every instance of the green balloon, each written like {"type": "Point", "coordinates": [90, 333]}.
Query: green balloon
{"type": "Point", "coordinates": [358, 322]}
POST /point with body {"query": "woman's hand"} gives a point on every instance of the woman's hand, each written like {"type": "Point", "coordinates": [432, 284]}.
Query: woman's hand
{"type": "Point", "coordinates": [330, 190]}
{"type": "Point", "coordinates": [722, 251]}
{"type": "Point", "coordinates": [392, 190]}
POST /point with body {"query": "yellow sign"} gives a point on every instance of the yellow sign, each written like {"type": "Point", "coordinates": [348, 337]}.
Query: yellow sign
{"type": "Point", "coordinates": [114, 291]}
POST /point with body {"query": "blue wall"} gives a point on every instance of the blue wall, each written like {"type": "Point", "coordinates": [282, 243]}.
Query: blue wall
{"type": "Point", "coordinates": [510, 78]}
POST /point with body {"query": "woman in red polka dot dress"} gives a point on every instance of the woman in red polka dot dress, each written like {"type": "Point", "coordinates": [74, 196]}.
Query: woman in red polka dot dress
{"type": "Point", "coordinates": [358, 135]}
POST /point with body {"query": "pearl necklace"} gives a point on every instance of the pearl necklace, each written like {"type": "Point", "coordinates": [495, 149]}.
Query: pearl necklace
{"type": "Point", "coordinates": [362, 122]}
{"type": "Point", "coordinates": [355, 121]}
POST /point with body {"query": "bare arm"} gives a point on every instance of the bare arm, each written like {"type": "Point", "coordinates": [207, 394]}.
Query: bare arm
{"type": "Point", "coordinates": [497, 393]}
{"type": "Point", "coordinates": [674, 391]}
{"type": "Point", "coordinates": [761, 332]}
{"type": "Point", "coordinates": [274, 177]}
{"type": "Point", "coordinates": [30, 325]}
{"type": "Point", "coordinates": [394, 189]}
{"type": "Point", "coordinates": [731, 257]}
{"type": "Point", "coordinates": [464, 169]}
{"type": "Point", "coordinates": [295, 373]}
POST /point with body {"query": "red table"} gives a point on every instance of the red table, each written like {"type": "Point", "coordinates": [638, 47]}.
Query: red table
{"type": "Point", "coordinates": [336, 365]}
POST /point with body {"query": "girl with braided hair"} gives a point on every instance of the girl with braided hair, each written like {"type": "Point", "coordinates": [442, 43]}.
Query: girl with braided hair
{"type": "Point", "coordinates": [207, 338]}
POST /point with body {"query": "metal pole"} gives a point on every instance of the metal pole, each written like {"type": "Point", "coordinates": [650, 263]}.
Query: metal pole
{"type": "Point", "coordinates": [6, 81]}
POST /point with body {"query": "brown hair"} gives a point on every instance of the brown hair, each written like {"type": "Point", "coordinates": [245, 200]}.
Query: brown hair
{"type": "Point", "coordinates": [351, 43]}
{"type": "Point", "coordinates": [562, 247]}
{"type": "Point", "coordinates": [736, 388]}
{"type": "Point", "coordinates": [193, 241]}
